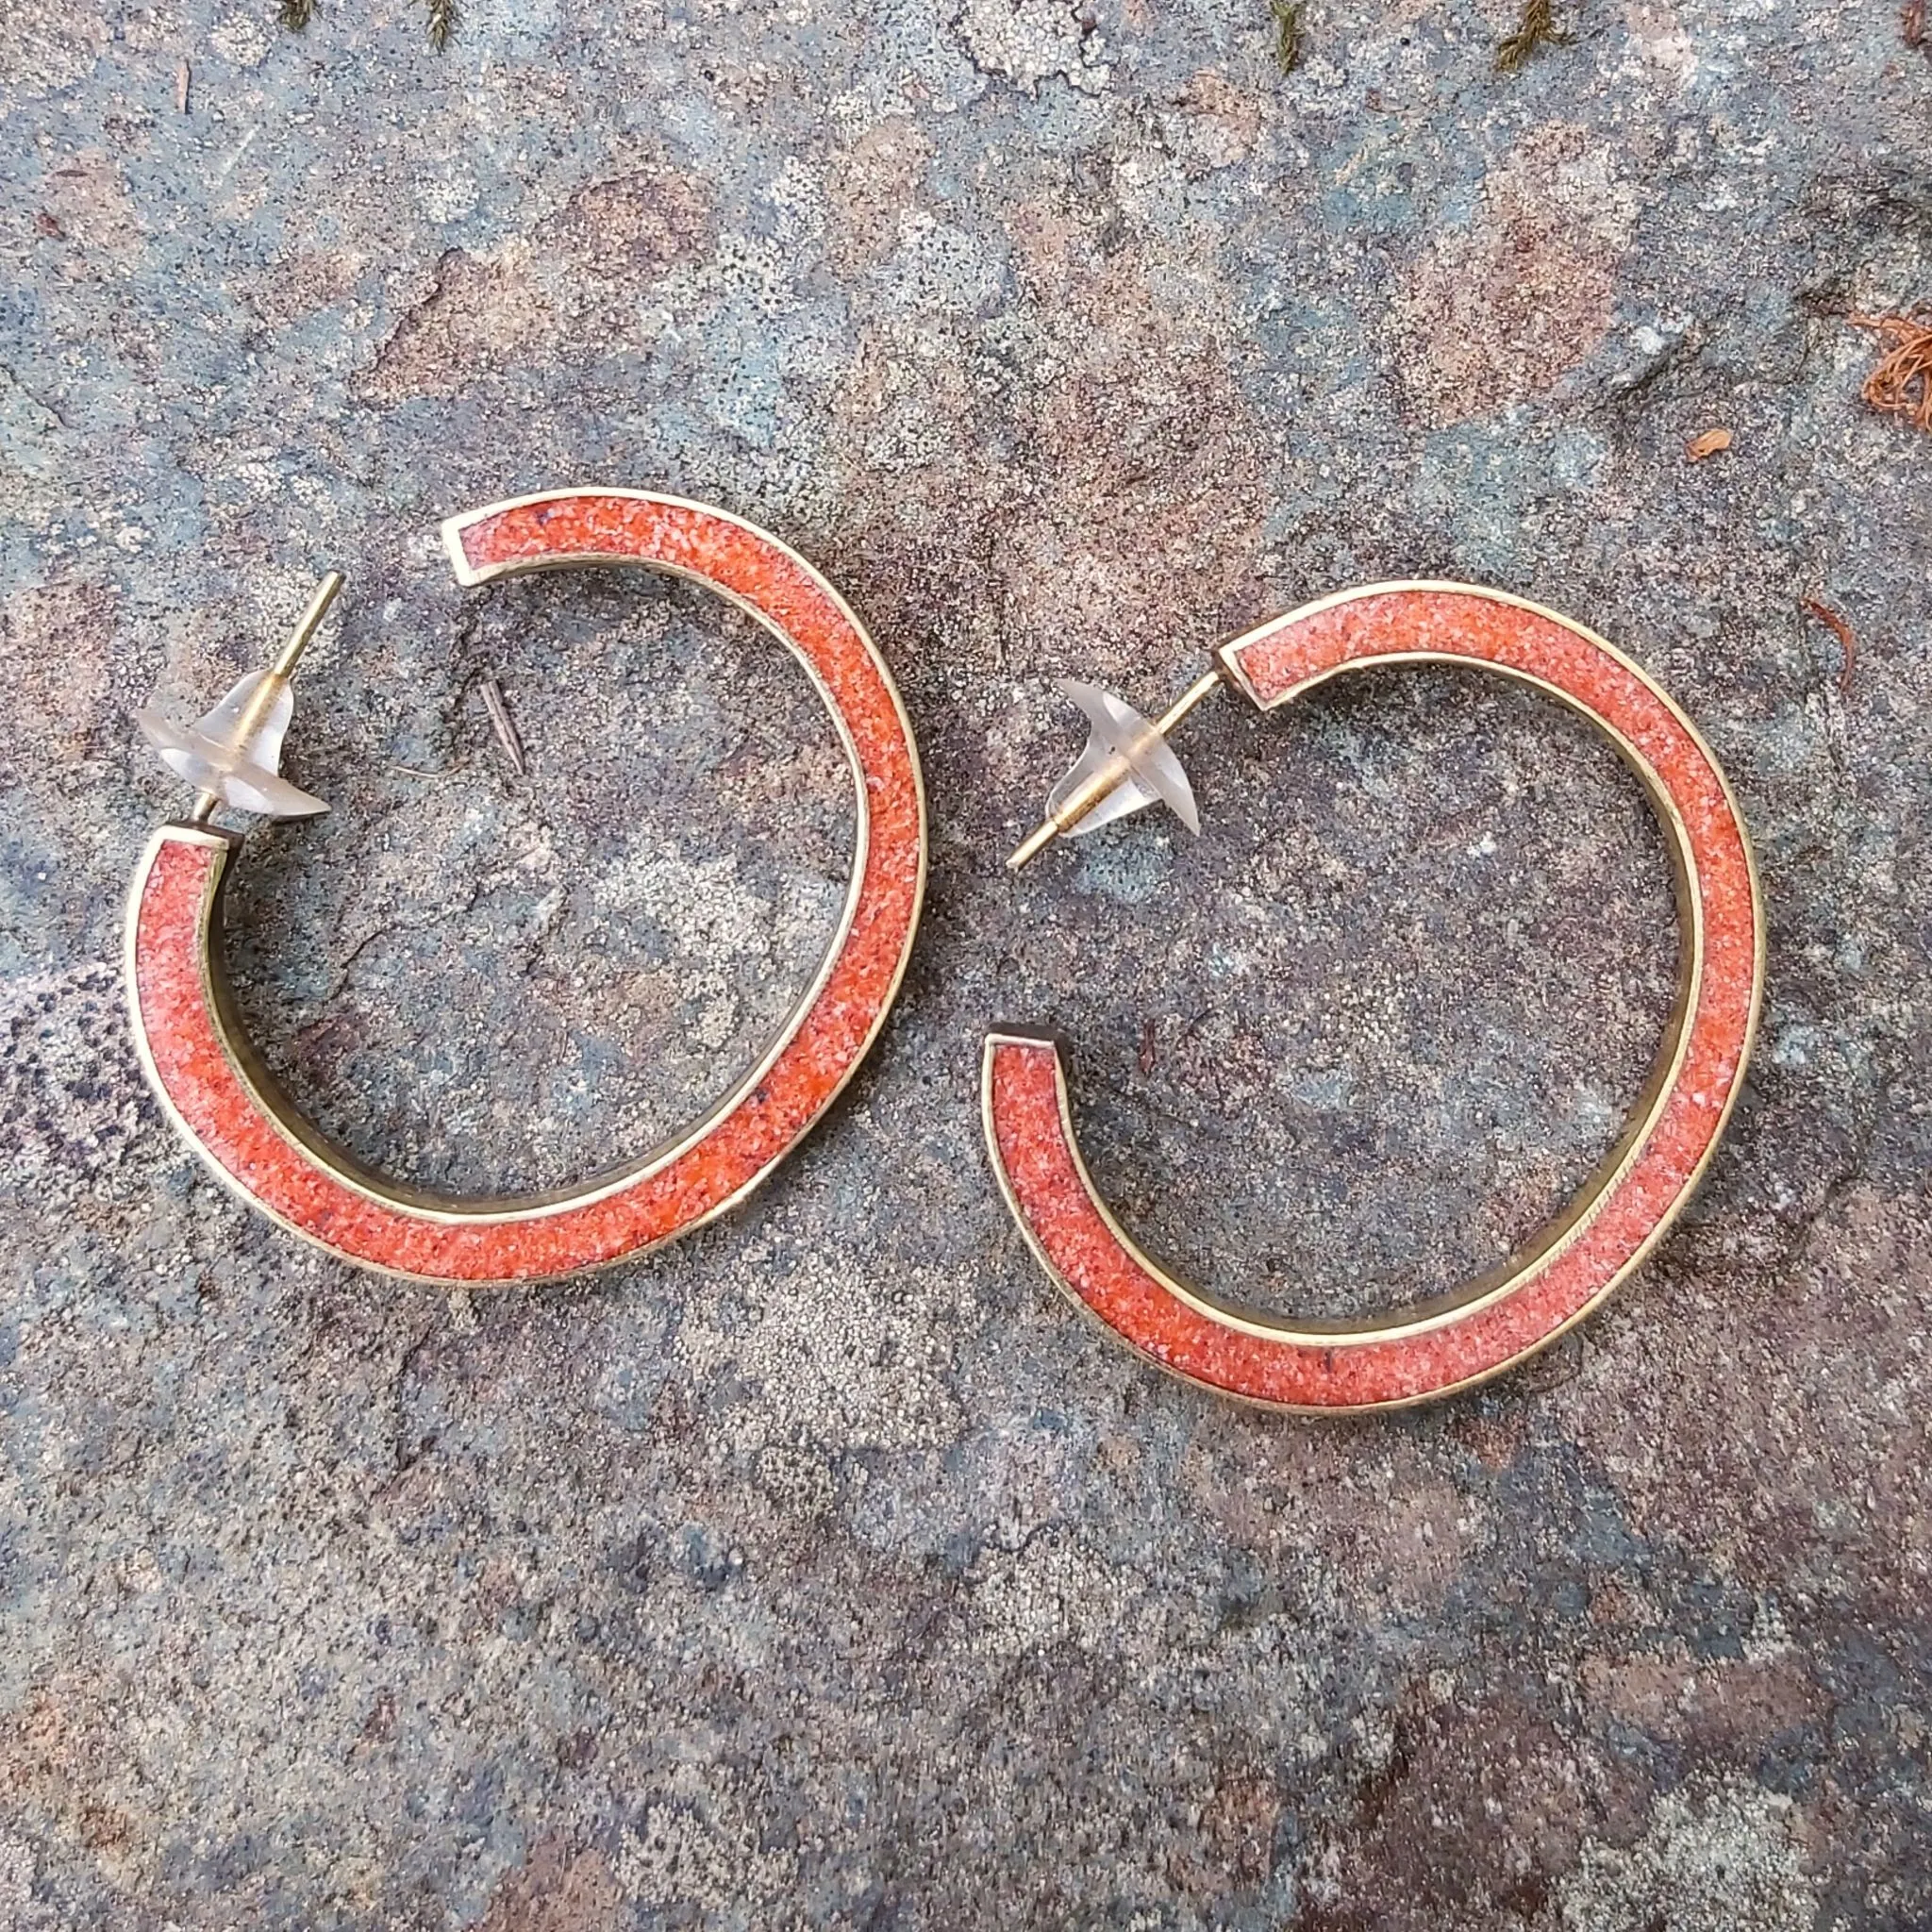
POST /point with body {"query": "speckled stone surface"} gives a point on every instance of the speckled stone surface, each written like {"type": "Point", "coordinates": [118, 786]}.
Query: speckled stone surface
{"type": "Point", "coordinates": [825, 1570]}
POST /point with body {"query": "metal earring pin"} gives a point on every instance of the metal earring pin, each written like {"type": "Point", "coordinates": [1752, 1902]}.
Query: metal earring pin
{"type": "Point", "coordinates": [222, 1100]}
{"type": "Point", "coordinates": [1127, 766]}
{"type": "Point", "coordinates": [1568, 1267]}
{"type": "Point", "coordinates": [233, 754]}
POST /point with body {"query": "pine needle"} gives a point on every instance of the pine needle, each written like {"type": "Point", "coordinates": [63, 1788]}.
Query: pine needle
{"type": "Point", "coordinates": [296, 14]}
{"type": "Point", "coordinates": [1847, 641]}
{"type": "Point", "coordinates": [443, 21]}
{"type": "Point", "coordinates": [500, 723]}
{"type": "Point", "coordinates": [1537, 25]}
{"type": "Point", "coordinates": [1902, 383]}
{"type": "Point", "coordinates": [1288, 33]}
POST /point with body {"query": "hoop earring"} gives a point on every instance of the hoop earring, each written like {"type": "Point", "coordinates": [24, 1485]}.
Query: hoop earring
{"type": "Point", "coordinates": [212, 1084]}
{"type": "Point", "coordinates": [1622, 1211]}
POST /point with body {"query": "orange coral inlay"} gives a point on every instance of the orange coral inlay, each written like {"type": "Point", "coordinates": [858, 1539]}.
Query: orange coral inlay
{"type": "Point", "coordinates": [251, 1135]}
{"type": "Point", "coordinates": [1029, 1125]}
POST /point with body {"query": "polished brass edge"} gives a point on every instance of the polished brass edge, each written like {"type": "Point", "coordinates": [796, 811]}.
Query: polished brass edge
{"type": "Point", "coordinates": [451, 529]}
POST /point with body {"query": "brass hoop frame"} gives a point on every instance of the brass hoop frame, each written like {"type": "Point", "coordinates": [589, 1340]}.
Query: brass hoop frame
{"type": "Point", "coordinates": [1026, 1111]}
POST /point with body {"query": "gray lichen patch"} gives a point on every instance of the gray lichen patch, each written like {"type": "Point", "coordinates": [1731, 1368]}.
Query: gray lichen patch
{"type": "Point", "coordinates": [660, 887]}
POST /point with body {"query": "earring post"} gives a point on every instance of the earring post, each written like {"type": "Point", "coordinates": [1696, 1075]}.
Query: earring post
{"type": "Point", "coordinates": [1076, 805]}
{"type": "Point", "coordinates": [307, 626]}
{"type": "Point", "coordinates": [274, 680]}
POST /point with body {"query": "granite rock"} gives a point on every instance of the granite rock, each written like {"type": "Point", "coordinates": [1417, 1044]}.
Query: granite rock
{"type": "Point", "coordinates": [825, 1570]}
